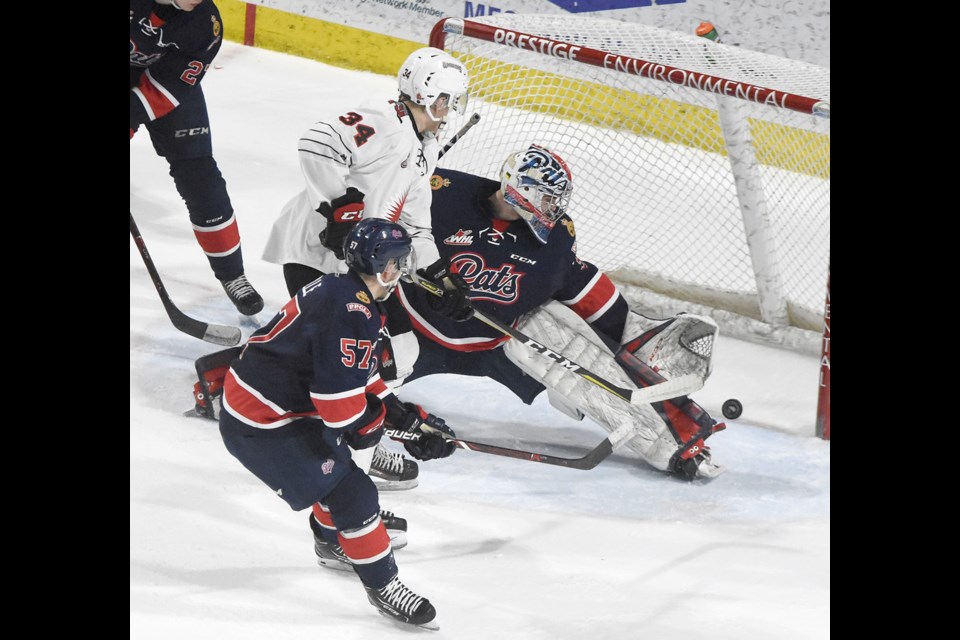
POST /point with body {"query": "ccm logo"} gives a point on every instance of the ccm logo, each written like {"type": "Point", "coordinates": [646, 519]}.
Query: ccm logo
{"type": "Point", "coordinates": [196, 131]}
{"type": "Point", "coordinates": [522, 259]}
{"type": "Point", "coordinates": [347, 216]}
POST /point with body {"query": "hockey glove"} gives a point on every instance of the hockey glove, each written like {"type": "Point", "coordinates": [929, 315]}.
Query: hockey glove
{"type": "Point", "coordinates": [421, 433]}
{"type": "Point", "coordinates": [341, 214]}
{"type": "Point", "coordinates": [455, 302]}
{"type": "Point", "coordinates": [370, 431]}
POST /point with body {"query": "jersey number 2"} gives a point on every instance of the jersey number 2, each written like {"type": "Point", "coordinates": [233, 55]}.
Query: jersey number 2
{"type": "Point", "coordinates": [363, 131]}
{"type": "Point", "coordinates": [194, 69]}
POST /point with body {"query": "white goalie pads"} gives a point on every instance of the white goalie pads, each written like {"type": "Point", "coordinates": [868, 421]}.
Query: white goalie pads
{"type": "Point", "coordinates": [555, 324]}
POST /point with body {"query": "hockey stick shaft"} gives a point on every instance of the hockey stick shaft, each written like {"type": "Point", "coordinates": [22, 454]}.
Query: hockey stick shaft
{"type": "Point", "coordinates": [679, 386]}
{"type": "Point", "coordinates": [474, 119]}
{"type": "Point", "coordinates": [584, 463]}
{"type": "Point", "coordinates": [215, 333]}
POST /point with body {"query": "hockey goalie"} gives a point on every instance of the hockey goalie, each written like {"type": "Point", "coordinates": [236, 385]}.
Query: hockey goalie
{"type": "Point", "coordinates": [510, 248]}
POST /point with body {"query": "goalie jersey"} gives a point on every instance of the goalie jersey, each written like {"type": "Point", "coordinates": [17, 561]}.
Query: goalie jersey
{"type": "Point", "coordinates": [509, 271]}
{"type": "Point", "coordinates": [316, 358]}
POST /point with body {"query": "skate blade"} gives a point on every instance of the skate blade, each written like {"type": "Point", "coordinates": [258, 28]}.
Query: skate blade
{"type": "Point", "coordinates": [398, 539]}
{"type": "Point", "coordinates": [334, 564]}
{"type": "Point", "coordinates": [193, 413]}
{"type": "Point", "coordinates": [394, 485]}
{"type": "Point", "coordinates": [709, 471]}
{"type": "Point", "coordinates": [430, 626]}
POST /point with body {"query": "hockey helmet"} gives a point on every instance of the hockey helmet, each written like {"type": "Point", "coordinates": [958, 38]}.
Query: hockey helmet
{"type": "Point", "coordinates": [372, 244]}
{"type": "Point", "coordinates": [429, 74]}
{"type": "Point", "coordinates": [537, 183]}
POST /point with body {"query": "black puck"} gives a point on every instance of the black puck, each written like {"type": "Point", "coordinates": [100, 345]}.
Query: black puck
{"type": "Point", "coordinates": [732, 409]}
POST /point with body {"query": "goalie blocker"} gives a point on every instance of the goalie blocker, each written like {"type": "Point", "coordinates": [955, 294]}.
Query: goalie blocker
{"type": "Point", "coordinates": [669, 435]}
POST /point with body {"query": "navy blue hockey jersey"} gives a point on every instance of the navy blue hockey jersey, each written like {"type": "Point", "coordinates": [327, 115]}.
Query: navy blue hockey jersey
{"type": "Point", "coordinates": [170, 51]}
{"type": "Point", "coordinates": [509, 272]}
{"type": "Point", "coordinates": [316, 358]}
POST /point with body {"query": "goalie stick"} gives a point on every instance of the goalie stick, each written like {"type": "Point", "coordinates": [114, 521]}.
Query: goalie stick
{"type": "Point", "coordinates": [474, 119]}
{"type": "Point", "coordinates": [679, 386]}
{"type": "Point", "coordinates": [215, 333]}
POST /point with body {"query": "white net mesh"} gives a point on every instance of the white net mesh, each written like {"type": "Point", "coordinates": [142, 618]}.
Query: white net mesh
{"type": "Point", "coordinates": [654, 201]}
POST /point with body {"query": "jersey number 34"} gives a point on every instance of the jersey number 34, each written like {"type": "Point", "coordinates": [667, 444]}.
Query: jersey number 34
{"type": "Point", "coordinates": [364, 132]}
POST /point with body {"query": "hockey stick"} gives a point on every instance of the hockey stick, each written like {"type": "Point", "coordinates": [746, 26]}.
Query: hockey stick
{"type": "Point", "coordinates": [679, 386]}
{"type": "Point", "coordinates": [474, 119]}
{"type": "Point", "coordinates": [586, 462]}
{"type": "Point", "coordinates": [215, 333]}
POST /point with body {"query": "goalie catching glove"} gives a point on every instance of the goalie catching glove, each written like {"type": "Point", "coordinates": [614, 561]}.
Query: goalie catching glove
{"type": "Point", "coordinates": [421, 433]}
{"type": "Point", "coordinates": [341, 214]}
{"type": "Point", "coordinates": [455, 301]}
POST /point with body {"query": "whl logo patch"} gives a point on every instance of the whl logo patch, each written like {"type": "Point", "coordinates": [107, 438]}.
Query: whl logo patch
{"type": "Point", "coordinates": [461, 237]}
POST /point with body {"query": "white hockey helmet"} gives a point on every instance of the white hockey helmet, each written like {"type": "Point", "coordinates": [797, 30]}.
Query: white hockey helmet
{"type": "Point", "coordinates": [429, 74]}
{"type": "Point", "coordinates": [537, 183]}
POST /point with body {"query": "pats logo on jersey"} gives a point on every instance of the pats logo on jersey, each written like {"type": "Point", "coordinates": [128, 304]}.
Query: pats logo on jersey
{"type": "Point", "coordinates": [436, 182]}
{"type": "Point", "coordinates": [353, 306]}
{"type": "Point", "coordinates": [488, 282]}
{"type": "Point", "coordinates": [569, 225]}
{"type": "Point", "coordinates": [460, 237]}
{"type": "Point", "coordinates": [363, 297]}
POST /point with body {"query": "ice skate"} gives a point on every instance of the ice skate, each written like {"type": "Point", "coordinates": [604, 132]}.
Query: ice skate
{"type": "Point", "coordinates": [392, 471]}
{"type": "Point", "coordinates": [242, 294]}
{"type": "Point", "coordinates": [397, 602]}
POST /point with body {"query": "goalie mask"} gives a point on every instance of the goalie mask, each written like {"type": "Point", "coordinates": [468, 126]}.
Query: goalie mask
{"type": "Point", "coordinates": [537, 183]}
{"type": "Point", "coordinates": [430, 75]}
{"type": "Point", "coordinates": [374, 247]}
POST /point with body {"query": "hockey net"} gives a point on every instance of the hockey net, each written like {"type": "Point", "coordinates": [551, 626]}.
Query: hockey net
{"type": "Point", "coordinates": [701, 171]}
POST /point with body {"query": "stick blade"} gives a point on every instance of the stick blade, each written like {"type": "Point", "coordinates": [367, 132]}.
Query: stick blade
{"type": "Point", "coordinates": [222, 335]}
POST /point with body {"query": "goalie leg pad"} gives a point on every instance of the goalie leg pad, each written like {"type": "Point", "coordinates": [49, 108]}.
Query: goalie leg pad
{"type": "Point", "coordinates": [673, 347]}
{"type": "Point", "coordinates": [563, 404]}
{"type": "Point", "coordinates": [555, 324]}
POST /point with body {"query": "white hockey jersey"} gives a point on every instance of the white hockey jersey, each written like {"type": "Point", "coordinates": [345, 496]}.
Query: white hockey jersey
{"type": "Point", "coordinates": [376, 149]}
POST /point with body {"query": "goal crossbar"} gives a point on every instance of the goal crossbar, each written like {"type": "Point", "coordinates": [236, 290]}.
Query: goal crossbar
{"type": "Point", "coordinates": [634, 66]}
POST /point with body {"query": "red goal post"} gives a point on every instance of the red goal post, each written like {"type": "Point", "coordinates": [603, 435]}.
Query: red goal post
{"type": "Point", "coordinates": [701, 170]}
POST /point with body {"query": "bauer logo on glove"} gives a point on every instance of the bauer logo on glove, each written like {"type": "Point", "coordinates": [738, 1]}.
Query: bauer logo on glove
{"type": "Point", "coordinates": [401, 435]}
{"type": "Point", "coordinates": [424, 435]}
